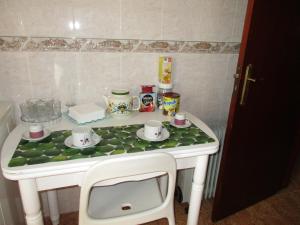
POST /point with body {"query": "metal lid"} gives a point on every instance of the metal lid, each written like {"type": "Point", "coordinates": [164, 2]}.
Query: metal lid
{"type": "Point", "coordinates": [172, 95]}
{"type": "Point", "coordinates": [120, 92]}
{"type": "Point", "coordinates": [147, 88]}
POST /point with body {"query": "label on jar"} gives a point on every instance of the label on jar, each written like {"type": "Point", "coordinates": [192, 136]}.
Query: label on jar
{"type": "Point", "coordinates": [160, 95]}
{"type": "Point", "coordinates": [147, 102]}
{"type": "Point", "coordinates": [165, 70]}
{"type": "Point", "coordinates": [171, 102]}
{"type": "Point", "coordinates": [160, 100]}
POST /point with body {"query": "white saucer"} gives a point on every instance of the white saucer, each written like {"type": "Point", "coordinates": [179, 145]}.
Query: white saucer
{"type": "Point", "coordinates": [96, 139]}
{"type": "Point", "coordinates": [164, 135]}
{"type": "Point", "coordinates": [27, 137]}
{"type": "Point", "coordinates": [187, 124]}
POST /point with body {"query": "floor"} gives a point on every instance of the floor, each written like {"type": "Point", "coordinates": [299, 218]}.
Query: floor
{"type": "Point", "coordinates": [280, 209]}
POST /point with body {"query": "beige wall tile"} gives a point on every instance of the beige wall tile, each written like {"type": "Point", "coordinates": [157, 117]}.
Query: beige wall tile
{"type": "Point", "coordinates": [197, 20]}
{"type": "Point", "coordinates": [66, 76]}
{"type": "Point", "coordinates": [201, 80]}
{"type": "Point", "coordinates": [139, 69]}
{"type": "Point", "coordinates": [14, 77]}
{"type": "Point", "coordinates": [228, 86]}
{"type": "Point", "coordinates": [206, 20]}
{"type": "Point", "coordinates": [10, 22]}
{"type": "Point", "coordinates": [218, 19]}
{"type": "Point", "coordinates": [141, 19]}
{"type": "Point", "coordinates": [15, 83]}
{"type": "Point", "coordinates": [97, 18]}
{"type": "Point", "coordinates": [42, 17]}
{"type": "Point", "coordinates": [98, 73]}
{"type": "Point", "coordinates": [241, 7]}
{"type": "Point", "coordinates": [180, 19]}
{"type": "Point", "coordinates": [42, 74]}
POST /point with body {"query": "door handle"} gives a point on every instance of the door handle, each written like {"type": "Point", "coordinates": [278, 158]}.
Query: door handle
{"type": "Point", "coordinates": [247, 80]}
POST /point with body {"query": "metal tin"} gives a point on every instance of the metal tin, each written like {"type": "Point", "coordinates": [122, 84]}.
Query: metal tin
{"type": "Point", "coordinates": [171, 102]}
{"type": "Point", "coordinates": [147, 98]}
{"type": "Point", "coordinates": [147, 102]}
{"type": "Point", "coordinates": [160, 94]}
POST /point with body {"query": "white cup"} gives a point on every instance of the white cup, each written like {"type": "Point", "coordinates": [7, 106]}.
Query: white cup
{"type": "Point", "coordinates": [153, 129]}
{"type": "Point", "coordinates": [82, 136]}
{"type": "Point", "coordinates": [179, 119]}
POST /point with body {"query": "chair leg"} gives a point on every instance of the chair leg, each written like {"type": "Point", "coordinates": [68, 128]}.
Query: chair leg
{"type": "Point", "coordinates": [171, 220]}
{"type": "Point", "coordinates": [171, 216]}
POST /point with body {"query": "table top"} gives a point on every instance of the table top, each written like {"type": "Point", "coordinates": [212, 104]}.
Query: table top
{"type": "Point", "coordinates": [50, 156]}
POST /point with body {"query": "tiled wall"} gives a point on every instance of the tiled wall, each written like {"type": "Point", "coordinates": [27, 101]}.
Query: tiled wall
{"type": "Point", "coordinates": [194, 20]}
{"type": "Point", "coordinates": [77, 50]}
{"type": "Point", "coordinates": [84, 62]}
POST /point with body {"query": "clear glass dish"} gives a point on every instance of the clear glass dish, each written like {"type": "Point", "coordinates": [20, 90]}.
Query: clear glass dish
{"type": "Point", "coordinates": [40, 110]}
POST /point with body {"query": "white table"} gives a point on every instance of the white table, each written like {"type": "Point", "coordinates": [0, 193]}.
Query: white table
{"type": "Point", "coordinates": [49, 176]}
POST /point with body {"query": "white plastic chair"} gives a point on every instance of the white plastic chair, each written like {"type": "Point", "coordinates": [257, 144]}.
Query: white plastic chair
{"type": "Point", "coordinates": [125, 191]}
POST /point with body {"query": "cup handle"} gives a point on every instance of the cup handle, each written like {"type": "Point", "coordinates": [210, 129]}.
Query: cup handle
{"type": "Point", "coordinates": [93, 133]}
{"type": "Point", "coordinates": [139, 103]}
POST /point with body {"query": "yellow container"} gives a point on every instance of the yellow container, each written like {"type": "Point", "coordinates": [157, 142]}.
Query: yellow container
{"type": "Point", "coordinates": [165, 72]}
{"type": "Point", "coordinates": [171, 103]}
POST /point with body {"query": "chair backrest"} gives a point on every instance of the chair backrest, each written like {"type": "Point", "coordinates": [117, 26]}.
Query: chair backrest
{"type": "Point", "coordinates": [127, 168]}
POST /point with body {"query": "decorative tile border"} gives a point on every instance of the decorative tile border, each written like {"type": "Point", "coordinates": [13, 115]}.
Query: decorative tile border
{"type": "Point", "coordinates": [12, 43]}
{"type": "Point", "coordinates": [39, 44]}
{"type": "Point", "coordinates": [159, 46]}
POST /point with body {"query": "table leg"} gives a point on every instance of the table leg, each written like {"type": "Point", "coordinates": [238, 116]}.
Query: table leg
{"type": "Point", "coordinates": [31, 202]}
{"type": "Point", "coordinates": [53, 206]}
{"type": "Point", "coordinates": [197, 190]}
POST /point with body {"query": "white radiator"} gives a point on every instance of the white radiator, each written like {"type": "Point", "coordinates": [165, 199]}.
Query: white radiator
{"type": "Point", "coordinates": [185, 177]}
{"type": "Point", "coordinates": [213, 166]}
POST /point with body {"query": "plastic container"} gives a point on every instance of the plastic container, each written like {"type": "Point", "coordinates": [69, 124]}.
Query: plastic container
{"type": "Point", "coordinates": [165, 72]}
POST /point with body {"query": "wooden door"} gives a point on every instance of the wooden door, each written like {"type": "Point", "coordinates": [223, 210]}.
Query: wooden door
{"type": "Point", "coordinates": [261, 124]}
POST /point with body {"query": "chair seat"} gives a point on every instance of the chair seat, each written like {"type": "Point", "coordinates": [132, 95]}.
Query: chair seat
{"type": "Point", "coordinates": [124, 198]}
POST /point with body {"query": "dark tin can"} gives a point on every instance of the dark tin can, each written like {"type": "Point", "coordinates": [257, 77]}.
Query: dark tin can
{"type": "Point", "coordinates": [171, 103]}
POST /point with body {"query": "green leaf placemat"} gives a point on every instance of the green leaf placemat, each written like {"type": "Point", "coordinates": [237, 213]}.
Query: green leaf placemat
{"type": "Point", "coordinates": [116, 140]}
